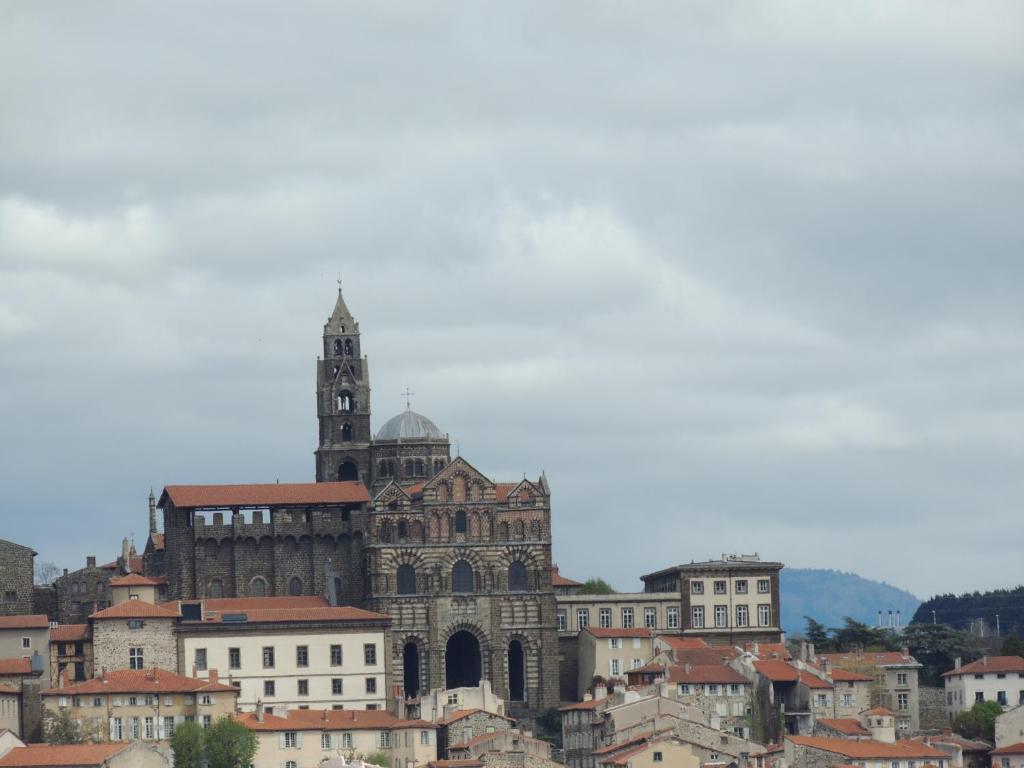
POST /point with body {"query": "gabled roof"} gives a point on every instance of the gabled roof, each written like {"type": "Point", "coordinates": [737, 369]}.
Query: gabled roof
{"type": "Point", "coordinates": [845, 725]}
{"type": "Point", "coordinates": [870, 659]}
{"type": "Point", "coordinates": [777, 670]}
{"type": "Point", "coordinates": [989, 664]}
{"type": "Point", "coordinates": [845, 676]}
{"type": "Point", "coordinates": [393, 488]}
{"type": "Point", "coordinates": [863, 749]}
{"type": "Point", "coordinates": [33, 755]}
{"type": "Point", "coordinates": [264, 494]}
{"type": "Point", "coordinates": [138, 580]}
{"type": "Point", "coordinates": [329, 719]}
{"type": "Point", "coordinates": [683, 643]}
{"type": "Point", "coordinates": [591, 704]}
{"type": "Point", "coordinates": [558, 580]}
{"type": "Point", "coordinates": [813, 681]}
{"type": "Point", "coordinates": [276, 610]}
{"type": "Point", "coordinates": [135, 609]}
{"type": "Point", "coordinates": [35, 621]}
{"type": "Point", "coordinates": [141, 681]}
{"type": "Point", "coordinates": [69, 633]}
{"type": "Point", "coordinates": [718, 673]}
{"type": "Point", "coordinates": [878, 712]}
{"type": "Point", "coordinates": [769, 650]}
{"type": "Point", "coordinates": [461, 714]}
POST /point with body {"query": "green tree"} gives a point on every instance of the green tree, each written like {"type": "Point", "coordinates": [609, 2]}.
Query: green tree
{"type": "Point", "coordinates": [596, 586]}
{"type": "Point", "coordinates": [854, 634]}
{"type": "Point", "coordinates": [61, 729]}
{"type": "Point", "coordinates": [229, 744]}
{"type": "Point", "coordinates": [378, 758]}
{"type": "Point", "coordinates": [188, 745]}
{"type": "Point", "coordinates": [979, 722]}
{"type": "Point", "coordinates": [1012, 646]}
{"type": "Point", "coordinates": [937, 647]}
{"type": "Point", "coordinates": [817, 633]}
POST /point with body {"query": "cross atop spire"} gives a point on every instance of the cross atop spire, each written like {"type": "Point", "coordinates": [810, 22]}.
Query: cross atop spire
{"type": "Point", "coordinates": [407, 394]}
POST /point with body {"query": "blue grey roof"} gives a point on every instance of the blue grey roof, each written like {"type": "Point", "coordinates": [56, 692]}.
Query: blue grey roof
{"type": "Point", "coordinates": [409, 425]}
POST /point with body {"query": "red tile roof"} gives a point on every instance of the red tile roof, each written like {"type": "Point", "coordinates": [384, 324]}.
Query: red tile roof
{"type": "Point", "coordinates": [592, 704]}
{"type": "Point", "coordinates": [641, 739]}
{"type": "Point", "coordinates": [769, 650]}
{"type": "Point", "coordinates": [329, 719]}
{"type": "Point", "coordinates": [847, 725]}
{"type": "Point", "coordinates": [15, 667]}
{"type": "Point", "coordinates": [683, 643]}
{"type": "Point", "coordinates": [705, 656]}
{"type": "Point", "coordinates": [137, 580]}
{"type": "Point", "coordinates": [869, 659]}
{"type": "Point", "coordinates": [35, 621]}
{"type": "Point", "coordinates": [845, 676]}
{"type": "Point", "coordinates": [502, 490]}
{"type": "Point", "coordinates": [706, 674]}
{"type": "Point", "coordinates": [1009, 749]}
{"type": "Point", "coordinates": [460, 714]}
{"type": "Point", "coordinates": [989, 664]}
{"type": "Point", "coordinates": [869, 749]}
{"type": "Point", "coordinates": [878, 712]}
{"type": "Point", "coordinates": [415, 490]}
{"type": "Point", "coordinates": [264, 494]}
{"type": "Point", "coordinates": [10, 690]}
{"type": "Point", "coordinates": [558, 580]}
{"type": "Point", "coordinates": [141, 681]}
{"type": "Point", "coordinates": [135, 609]}
{"type": "Point", "coordinates": [777, 670]}
{"type": "Point", "coordinates": [69, 633]}
{"type": "Point", "coordinates": [813, 681]}
{"type": "Point", "coordinates": [641, 632]}
{"type": "Point", "coordinates": [33, 755]}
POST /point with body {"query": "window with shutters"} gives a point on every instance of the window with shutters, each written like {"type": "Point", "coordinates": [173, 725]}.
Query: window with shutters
{"type": "Point", "coordinates": [336, 656]}
{"type": "Point", "coordinates": [291, 740]}
{"type": "Point", "coordinates": [325, 741]}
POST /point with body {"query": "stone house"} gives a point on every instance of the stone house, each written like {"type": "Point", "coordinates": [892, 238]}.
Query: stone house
{"type": "Point", "coordinates": [1010, 726]}
{"type": "Point", "coordinates": [17, 572]}
{"type": "Point", "coordinates": [82, 592]}
{"type": "Point", "coordinates": [990, 678]}
{"type": "Point", "coordinates": [135, 635]}
{"type": "Point", "coordinates": [143, 704]}
{"type": "Point", "coordinates": [895, 686]}
{"type": "Point", "coordinates": [821, 752]}
{"type": "Point", "coordinates": [717, 690]}
{"type": "Point", "coordinates": [650, 753]}
{"type": "Point", "coordinates": [305, 737]}
{"type": "Point", "coordinates": [1009, 756]}
{"type": "Point", "coordinates": [10, 709]}
{"type": "Point", "coordinates": [22, 679]}
{"type": "Point", "coordinates": [289, 652]}
{"type": "Point", "coordinates": [461, 727]}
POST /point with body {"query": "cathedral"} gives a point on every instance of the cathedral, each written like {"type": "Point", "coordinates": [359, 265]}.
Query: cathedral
{"type": "Point", "coordinates": [461, 563]}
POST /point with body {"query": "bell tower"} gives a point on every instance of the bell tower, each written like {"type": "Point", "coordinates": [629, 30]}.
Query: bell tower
{"type": "Point", "coordinates": [343, 401]}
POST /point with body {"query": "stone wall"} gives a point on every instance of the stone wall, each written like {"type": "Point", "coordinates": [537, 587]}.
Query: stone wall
{"type": "Point", "coordinates": [932, 703]}
{"type": "Point", "coordinates": [82, 592]}
{"type": "Point", "coordinates": [113, 637]}
{"type": "Point", "coordinates": [44, 600]}
{"type": "Point", "coordinates": [17, 563]}
{"type": "Point", "coordinates": [568, 666]}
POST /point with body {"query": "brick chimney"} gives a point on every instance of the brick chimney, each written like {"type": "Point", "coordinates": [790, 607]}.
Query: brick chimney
{"type": "Point", "coordinates": [103, 674]}
{"type": "Point", "coordinates": [259, 710]}
{"type": "Point", "coordinates": [213, 676]}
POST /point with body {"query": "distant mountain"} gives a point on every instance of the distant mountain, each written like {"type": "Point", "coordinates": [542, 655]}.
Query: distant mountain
{"type": "Point", "coordinates": [965, 611]}
{"type": "Point", "coordinates": [829, 596]}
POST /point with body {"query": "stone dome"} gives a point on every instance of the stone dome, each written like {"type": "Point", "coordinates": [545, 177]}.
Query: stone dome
{"type": "Point", "coordinates": [409, 425]}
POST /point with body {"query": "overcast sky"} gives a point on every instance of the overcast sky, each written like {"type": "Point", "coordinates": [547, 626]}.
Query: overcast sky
{"type": "Point", "coordinates": [738, 277]}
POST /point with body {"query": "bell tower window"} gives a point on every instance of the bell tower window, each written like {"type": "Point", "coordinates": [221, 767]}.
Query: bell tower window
{"type": "Point", "coordinates": [346, 433]}
{"type": "Point", "coordinates": [348, 347]}
{"type": "Point", "coordinates": [337, 346]}
{"type": "Point", "coordinates": [345, 402]}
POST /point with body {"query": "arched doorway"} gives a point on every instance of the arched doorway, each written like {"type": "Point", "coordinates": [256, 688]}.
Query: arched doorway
{"type": "Point", "coordinates": [348, 471]}
{"type": "Point", "coordinates": [516, 672]}
{"type": "Point", "coordinates": [462, 660]}
{"type": "Point", "coordinates": [411, 670]}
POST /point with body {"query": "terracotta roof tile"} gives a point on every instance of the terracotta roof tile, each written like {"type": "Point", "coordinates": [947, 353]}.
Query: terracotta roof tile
{"type": "Point", "coordinates": [329, 719]}
{"type": "Point", "coordinates": [684, 643]}
{"type": "Point", "coordinates": [138, 580]}
{"type": "Point", "coordinates": [869, 749]}
{"type": "Point", "coordinates": [294, 615]}
{"type": "Point", "coordinates": [629, 743]}
{"type": "Point", "coordinates": [135, 609]}
{"type": "Point", "coordinates": [869, 659]}
{"type": "Point", "coordinates": [991, 664]}
{"type": "Point", "coordinates": [15, 666]}
{"type": "Point", "coordinates": [461, 714]}
{"type": "Point", "coordinates": [847, 725]}
{"type": "Point", "coordinates": [777, 670]}
{"type": "Point", "coordinates": [264, 494]}
{"type": "Point", "coordinates": [845, 676]}
{"type": "Point", "coordinates": [35, 621]}
{"type": "Point", "coordinates": [558, 580]}
{"type": "Point", "coordinates": [813, 681]}
{"type": "Point", "coordinates": [502, 490]}
{"type": "Point", "coordinates": [592, 704]}
{"type": "Point", "coordinates": [769, 650]}
{"type": "Point", "coordinates": [718, 673]}
{"type": "Point", "coordinates": [41, 755]}
{"type": "Point", "coordinates": [141, 681]}
{"type": "Point", "coordinates": [878, 712]}
{"type": "Point", "coordinates": [1009, 749]}
{"type": "Point", "coordinates": [255, 603]}
{"type": "Point", "coordinates": [69, 633]}
{"type": "Point", "coordinates": [10, 690]}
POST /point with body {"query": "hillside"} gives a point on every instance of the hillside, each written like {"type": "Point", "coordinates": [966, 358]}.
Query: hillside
{"type": "Point", "coordinates": [960, 611]}
{"type": "Point", "coordinates": [829, 596]}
